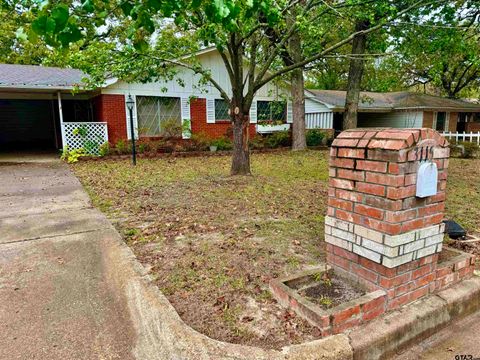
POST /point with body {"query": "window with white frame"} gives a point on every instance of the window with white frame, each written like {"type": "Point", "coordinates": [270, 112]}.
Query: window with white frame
{"type": "Point", "coordinates": [272, 111]}
{"type": "Point", "coordinates": [157, 114]}
{"type": "Point", "coordinates": [221, 110]}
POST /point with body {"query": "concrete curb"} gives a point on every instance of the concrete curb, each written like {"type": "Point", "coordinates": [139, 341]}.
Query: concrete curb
{"type": "Point", "coordinates": [383, 337]}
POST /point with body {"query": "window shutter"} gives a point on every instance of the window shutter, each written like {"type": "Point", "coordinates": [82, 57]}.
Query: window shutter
{"type": "Point", "coordinates": [134, 117]}
{"type": "Point", "coordinates": [434, 122]}
{"type": "Point", "coordinates": [185, 108]}
{"type": "Point", "coordinates": [253, 112]}
{"type": "Point", "coordinates": [210, 111]}
{"type": "Point", "coordinates": [289, 112]}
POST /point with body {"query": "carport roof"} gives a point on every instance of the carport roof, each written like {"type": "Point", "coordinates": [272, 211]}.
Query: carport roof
{"type": "Point", "coordinates": [40, 77]}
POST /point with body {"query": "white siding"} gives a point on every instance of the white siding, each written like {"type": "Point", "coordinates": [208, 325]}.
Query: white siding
{"type": "Point", "coordinates": [213, 62]}
{"type": "Point", "coordinates": [312, 106]}
{"type": "Point", "coordinates": [395, 119]}
{"type": "Point", "coordinates": [319, 120]}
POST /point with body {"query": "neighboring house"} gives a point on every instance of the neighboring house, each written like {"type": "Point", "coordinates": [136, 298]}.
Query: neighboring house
{"type": "Point", "coordinates": [405, 110]}
{"type": "Point", "coordinates": [37, 107]}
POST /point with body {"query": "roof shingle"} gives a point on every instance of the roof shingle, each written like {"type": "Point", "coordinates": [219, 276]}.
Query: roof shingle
{"type": "Point", "coordinates": [32, 76]}
{"type": "Point", "coordinates": [402, 100]}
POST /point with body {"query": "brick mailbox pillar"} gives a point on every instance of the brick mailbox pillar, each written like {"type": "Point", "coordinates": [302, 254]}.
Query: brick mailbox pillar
{"type": "Point", "coordinates": [385, 209]}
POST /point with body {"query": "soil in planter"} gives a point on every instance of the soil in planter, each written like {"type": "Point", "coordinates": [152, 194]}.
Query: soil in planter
{"type": "Point", "coordinates": [468, 247]}
{"type": "Point", "coordinates": [328, 294]}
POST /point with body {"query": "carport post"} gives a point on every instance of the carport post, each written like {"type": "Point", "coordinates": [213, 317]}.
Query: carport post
{"type": "Point", "coordinates": [60, 112]}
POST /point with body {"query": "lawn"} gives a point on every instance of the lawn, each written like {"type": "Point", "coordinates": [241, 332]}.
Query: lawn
{"type": "Point", "coordinates": [213, 242]}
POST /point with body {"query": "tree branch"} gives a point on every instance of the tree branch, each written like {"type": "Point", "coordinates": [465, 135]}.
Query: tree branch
{"type": "Point", "coordinates": [340, 43]}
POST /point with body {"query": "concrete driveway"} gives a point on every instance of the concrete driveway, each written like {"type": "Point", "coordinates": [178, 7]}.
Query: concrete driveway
{"type": "Point", "coordinates": [55, 298]}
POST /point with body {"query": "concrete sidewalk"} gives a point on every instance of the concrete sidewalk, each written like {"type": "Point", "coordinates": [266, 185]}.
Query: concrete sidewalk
{"type": "Point", "coordinates": [55, 299]}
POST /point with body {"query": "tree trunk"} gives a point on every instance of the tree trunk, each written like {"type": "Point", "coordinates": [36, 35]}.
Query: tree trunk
{"type": "Point", "coordinates": [355, 74]}
{"type": "Point", "coordinates": [298, 96]}
{"type": "Point", "coordinates": [241, 152]}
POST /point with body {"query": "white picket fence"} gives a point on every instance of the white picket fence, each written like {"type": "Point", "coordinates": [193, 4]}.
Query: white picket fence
{"type": "Point", "coordinates": [91, 134]}
{"type": "Point", "coordinates": [463, 136]}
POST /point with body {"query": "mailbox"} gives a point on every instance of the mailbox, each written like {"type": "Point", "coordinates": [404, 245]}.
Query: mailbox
{"type": "Point", "coordinates": [427, 177]}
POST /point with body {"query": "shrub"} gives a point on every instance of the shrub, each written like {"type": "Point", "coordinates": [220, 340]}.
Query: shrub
{"type": "Point", "coordinates": [72, 156]}
{"type": "Point", "coordinates": [200, 141]}
{"type": "Point", "coordinates": [257, 142]}
{"type": "Point", "coordinates": [222, 143]}
{"type": "Point", "coordinates": [122, 147]}
{"type": "Point", "coordinates": [104, 149]}
{"type": "Point", "coordinates": [278, 139]}
{"type": "Point", "coordinates": [186, 127]}
{"type": "Point", "coordinates": [171, 128]}
{"type": "Point", "coordinates": [470, 149]}
{"type": "Point", "coordinates": [314, 137]}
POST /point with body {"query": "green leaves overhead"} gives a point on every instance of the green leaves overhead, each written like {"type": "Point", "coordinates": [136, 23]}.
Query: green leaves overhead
{"type": "Point", "coordinates": [56, 26]}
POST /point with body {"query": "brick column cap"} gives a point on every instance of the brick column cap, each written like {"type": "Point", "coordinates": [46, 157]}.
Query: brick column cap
{"type": "Point", "coordinates": [389, 138]}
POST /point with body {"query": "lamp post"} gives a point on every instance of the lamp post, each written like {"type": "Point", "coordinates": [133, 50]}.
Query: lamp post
{"type": "Point", "coordinates": [130, 105]}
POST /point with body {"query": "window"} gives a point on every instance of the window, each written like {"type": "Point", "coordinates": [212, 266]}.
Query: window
{"type": "Point", "coordinates": [440, 124]}
{"type": "Point", "coordinates": [221, 110]}
{"type": "Point", "coordinates": [156, 115]}
{"type": "Point", "coordinates": [272, 111]}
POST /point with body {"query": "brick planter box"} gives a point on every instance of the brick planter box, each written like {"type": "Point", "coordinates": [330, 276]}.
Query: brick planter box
{"type": "Point", "coordinates": [334, 320]}
{"type": "Point", "coordinates": [455, 269]}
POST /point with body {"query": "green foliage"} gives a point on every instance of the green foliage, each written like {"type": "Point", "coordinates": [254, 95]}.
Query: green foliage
{"type": "Point", "coordinates": [104, 149]}
{"type": "Point", "coordinates": [122, 147]}
{"type": "Point", "coordinates": [222, 143]}
{"type": "Point", "coordinates": [278, 139]}
{"type": "Point", "coordinates": [325, 301]}
{"type": "Point", "coordinates": [82, 131]}
{"type": "Point", "coordinates": [171, 128]}
{"type": "Point", "coordinates": [470, 149]}
{"type": "Point", "coordinates": [314, 137]}
{"type": "Point", "coordinates": [257, 142]}
{"type": "Point", "coordinates": [72, 156]}
{"type": "Point", "coordinates": [186, 128]}
{"type": "Point", "coordinates": [201, 141]}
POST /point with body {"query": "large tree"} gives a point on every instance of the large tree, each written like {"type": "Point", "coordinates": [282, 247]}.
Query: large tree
{"type": "Point", "coordinates": [442, 51]}
{"type": "Point", "coordinates": [239, 30]}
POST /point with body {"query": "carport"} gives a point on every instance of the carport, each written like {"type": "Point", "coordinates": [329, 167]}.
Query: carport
{"type": "Point", "coordinates": [35, 101]}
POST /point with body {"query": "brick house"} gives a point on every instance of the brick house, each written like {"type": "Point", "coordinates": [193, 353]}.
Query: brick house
{"type": "Point", "coordinates": [39, 106]}
{"type": "Point", "coordinates": [405, 110]}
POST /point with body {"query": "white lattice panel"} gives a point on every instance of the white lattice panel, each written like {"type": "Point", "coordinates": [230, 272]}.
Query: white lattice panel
{"type": "Point", "coordinates": [87, 135]}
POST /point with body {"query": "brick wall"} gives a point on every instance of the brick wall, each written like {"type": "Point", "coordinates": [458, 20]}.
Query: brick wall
{"type": "Point", "coordinates": [473, 126]}
{"type": "Point", "coordinates": [428, 119]}
{"type": "Point", "coordinates": [111, 108]}
{"type": "Point", "coordinates": [452, 122]}
{"type": "Point", "coordinates": [198, 114]}
{"type": "Point", "coordinates": [377, 230]}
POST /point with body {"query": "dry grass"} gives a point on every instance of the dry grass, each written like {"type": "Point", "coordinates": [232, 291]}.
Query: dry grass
{"type": "Point", "coordinates": [212, 242]}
